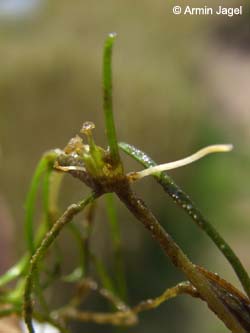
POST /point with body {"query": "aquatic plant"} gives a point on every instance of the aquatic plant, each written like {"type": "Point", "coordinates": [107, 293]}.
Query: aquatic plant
{"type": "Point", "coordinates": [102, 170]}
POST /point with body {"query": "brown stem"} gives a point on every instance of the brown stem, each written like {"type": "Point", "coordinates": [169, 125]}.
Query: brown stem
{"type": "Point", "coordinates": [178, 258]}
{"type": "Point", "coordinates": [41, 250]}
{"type": "Point", "coordinates": [181, 288]}
{"type": "Point", "coordinates": [119, 318]}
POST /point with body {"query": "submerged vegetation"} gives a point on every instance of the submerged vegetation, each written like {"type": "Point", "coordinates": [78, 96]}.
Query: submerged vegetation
{"type": "Point", "coordinates": [102, 170]}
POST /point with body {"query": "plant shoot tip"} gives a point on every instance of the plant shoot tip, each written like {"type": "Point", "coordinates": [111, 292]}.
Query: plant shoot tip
{"type": "Point", "coordinates": [87, 127]}
{"type": "Point", "coordinates": [112, 35]}
{"type": "Point", "coordinates": [220, 148]}
{"type": "Point", "coordinates": [229, 147]}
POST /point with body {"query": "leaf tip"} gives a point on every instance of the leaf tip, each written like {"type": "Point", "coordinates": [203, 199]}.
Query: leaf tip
{"type": "Point", "coordinates": [112, 35]}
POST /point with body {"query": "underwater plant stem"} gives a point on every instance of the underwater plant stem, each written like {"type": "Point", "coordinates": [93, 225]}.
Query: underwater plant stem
{"type": "Point", "coordinates": [67, 216]}
{"type": "Point", "coordinates": [88, 225]}
{"type": "Point", "coordinates": [137, 207]}
{"type": "Point", "coordinates": [116, 240]}
{"type": "Point", "coordinates": [46, 197]}
{"type": "Point", "coordinates": [44, 165]}
{"type": "Point", "coordinates": [51, 191]}
{"type": "Point", "coordinates": [223, 148]}
{"type": "Point", "coordinates": [107, 99]}
{"type": "Point", "coordinates": [119, 318]}
{"type": "Point", "coordinates": [185, 202]}
{"type": "Point", "coordinates": [102, 273]}
{"type": "Point", "coordinates": [181, 288]}
{"type": "Point", "coordinates": [15, 271]}
{"type": "Point", "coordinates": [79, 272]}
{"type": "Point", "coordinates": [126, 316]}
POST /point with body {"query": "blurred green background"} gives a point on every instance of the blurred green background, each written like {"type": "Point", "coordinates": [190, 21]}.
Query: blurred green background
{"type": "Point", "coordinates": [180, 83]}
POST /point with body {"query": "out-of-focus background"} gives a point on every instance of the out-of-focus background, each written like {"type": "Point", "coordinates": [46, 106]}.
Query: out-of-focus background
{"type": "Point", "coordinates": [180, 83]}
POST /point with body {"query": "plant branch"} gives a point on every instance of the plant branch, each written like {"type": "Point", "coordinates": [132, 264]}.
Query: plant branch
{"type": "Point", "coordinates": [181, 288]}
{"type": "Point", "coordinates": [68, 215]}
{"type": "Point", "coordinates": [125, 316]}
{"type": "Point", "coordinates": [185, 202]}
{"type": "Point", "coordinates": [179, 259]}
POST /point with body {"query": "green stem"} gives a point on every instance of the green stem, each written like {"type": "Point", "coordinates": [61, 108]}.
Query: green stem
{"type": "Point", "coordinates": [51, 189]}
{"type": "Point", "coordinates": [116, 240]}
{"type": "Point", "coordinates": [50, 237]}
{"type": "Point", "coordinates": [87, 226]}
{"type": "Point", "coordinates": [79, 272]}
{"type": "Point", "coordinates": [102, 273]}
{"type": "Point", "coordinates": [184, 201]}
{"type": "Point", "coordinates": [44, 168]}
{"type": "Point", "coordinates": [107, 100]}
{"type": "Point", "coordinates": [44, 165]}
{"type": "Point", "coordinates": [46, 197]}
{"type": "Point", "coordinates": [15, 271]}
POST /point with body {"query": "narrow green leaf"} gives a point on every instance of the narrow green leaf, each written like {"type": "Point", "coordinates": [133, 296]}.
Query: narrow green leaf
{"type": "Point", "coordinates": [107, 99]}
{"type": "Point", "coordinates": [184, 201]}
{"type": "Point", "coordinates": [79, 272]}
{"type": "Point", "coordinates": [116, 240]}
{"type": "Point", "coordinates": [15, 271]}
{"type": "Point", "coordinates": [103, 274]}
{"type": "Point", "coordinates": [43, 166]}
